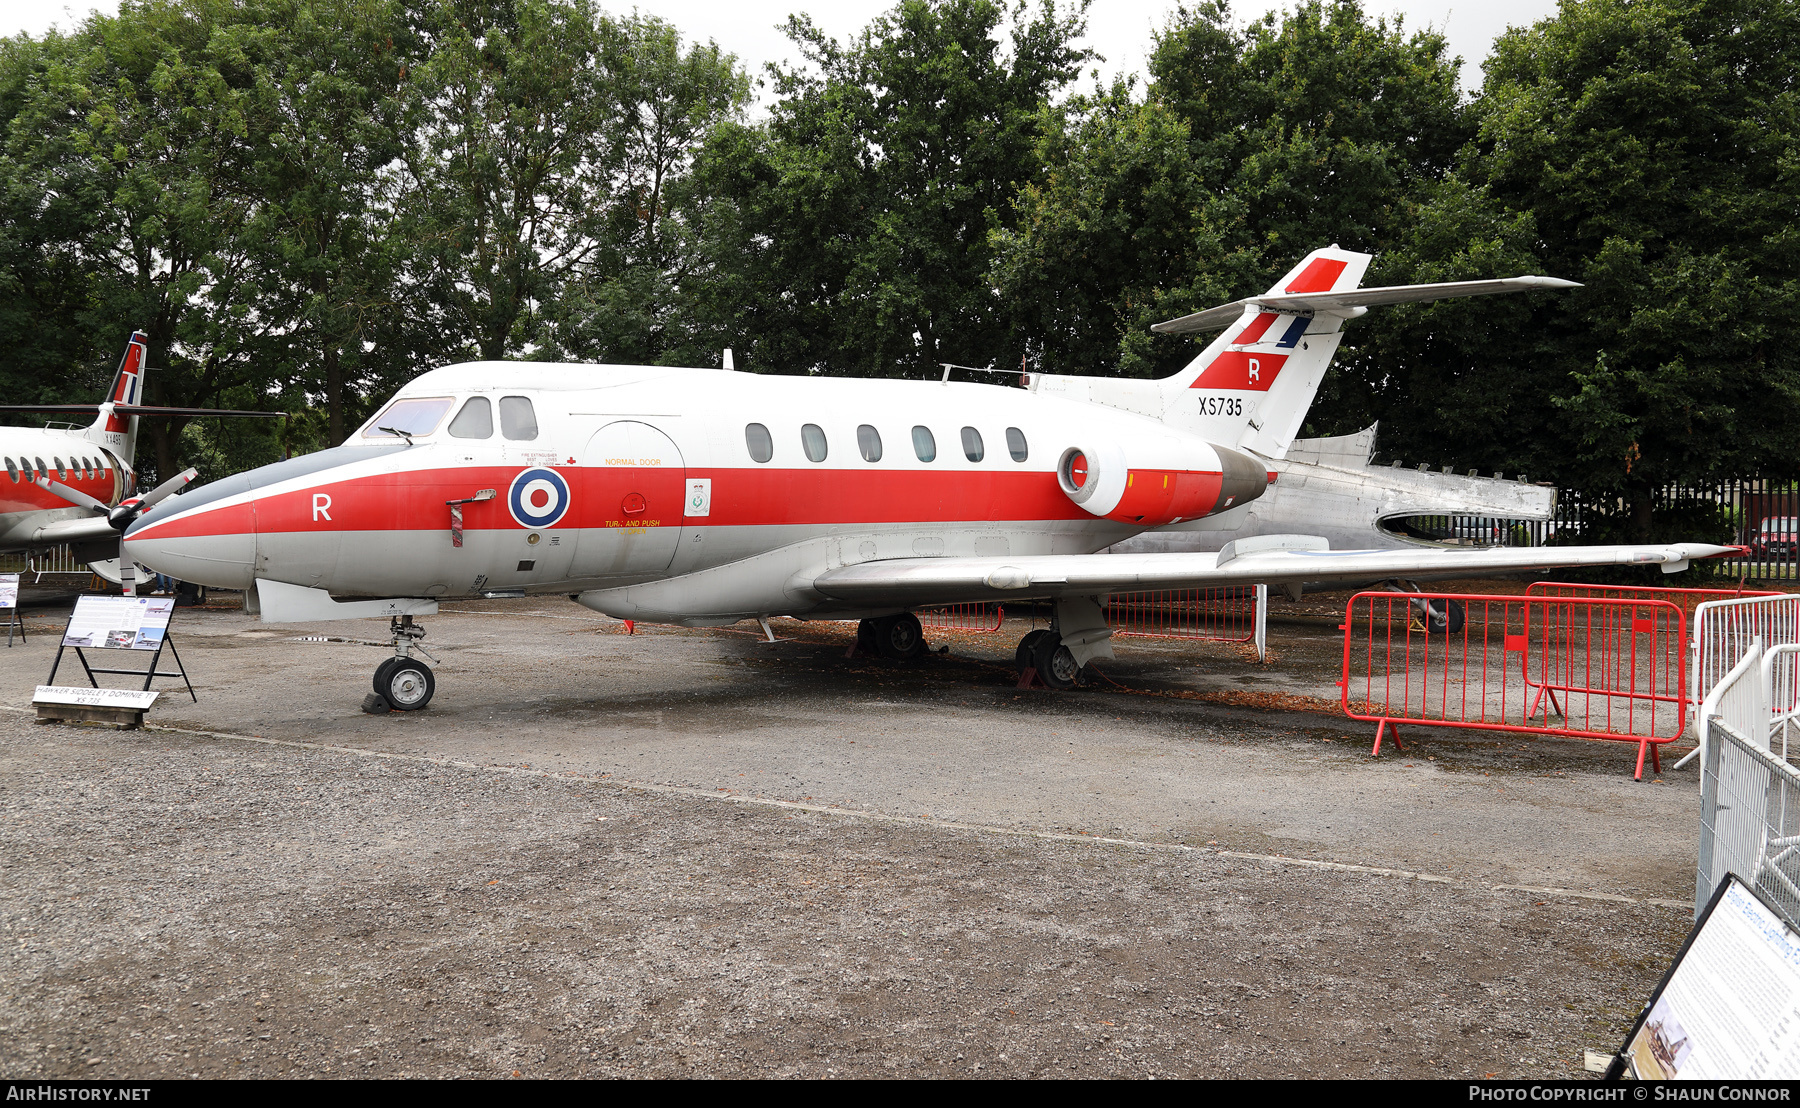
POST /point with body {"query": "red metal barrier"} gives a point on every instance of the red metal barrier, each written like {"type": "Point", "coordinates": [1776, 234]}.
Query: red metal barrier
{"type": "Point", "coordinates": [1213, 615]}
{"type": "Point", "coordinates": [1608, 668]}
{"type": "Point", "coordinates": [977, 619]}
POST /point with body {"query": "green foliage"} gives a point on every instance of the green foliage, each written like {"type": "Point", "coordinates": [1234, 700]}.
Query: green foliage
{"type": "Point", "coordinates": [1248, 150]}
{"type": "Point", "coordinates": [1647, 149]}
{"type": "Point", "coordinates": [849, 233]}
{"type": "Point", "coordinates": [306, 202]}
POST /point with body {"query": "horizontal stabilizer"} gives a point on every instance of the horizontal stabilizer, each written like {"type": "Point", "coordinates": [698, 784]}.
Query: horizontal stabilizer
{"type": "Point", "coordinates": [1348, 300]}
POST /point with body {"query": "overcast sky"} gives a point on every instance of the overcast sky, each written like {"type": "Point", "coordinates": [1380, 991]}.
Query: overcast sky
{"type": "Point", "coordinates": [1119, 29]}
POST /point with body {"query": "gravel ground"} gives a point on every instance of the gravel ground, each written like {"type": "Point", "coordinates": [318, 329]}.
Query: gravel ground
{"type": "Point", "coordinates": [569, 866]}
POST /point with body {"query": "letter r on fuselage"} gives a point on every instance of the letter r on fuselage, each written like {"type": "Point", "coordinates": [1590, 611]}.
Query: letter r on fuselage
{"type": "Point", "coordinates": [321, 507]}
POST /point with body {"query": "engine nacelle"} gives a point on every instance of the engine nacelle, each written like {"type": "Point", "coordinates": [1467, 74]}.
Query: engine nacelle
{"type": "Point", "coordinates": [1157, 483]}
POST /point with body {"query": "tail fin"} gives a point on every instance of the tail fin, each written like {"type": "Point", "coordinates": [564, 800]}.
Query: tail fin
{"type": "Point", "coordinates": [114, 430]}
{"type": "Point", "coordinates": [1250, 389]}
{"type": "Point", "coordinates": [1252, 386]}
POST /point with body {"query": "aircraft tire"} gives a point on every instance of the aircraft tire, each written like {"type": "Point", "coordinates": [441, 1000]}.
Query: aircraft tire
{"type": "Point", "coordinates": [409, 685]}
{"type": "Point", "coordinates": [1056, 665]}
{"type": "Point", "coordinates": [381, 675]}
{"type": "Point", "coordinates": [1025, 657]}
{"type": "Point", "coordinates": [1450, 621]}
{"type": "Point", "coordinates": [899, 638]}
{"type": "Point", "coordinates": [865, 637]}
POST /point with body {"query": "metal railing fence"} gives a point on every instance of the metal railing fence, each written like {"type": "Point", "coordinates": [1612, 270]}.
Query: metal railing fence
{"type": "Point", "coordinates": [1749, 820]}
{"type": "Point", "coordinates": [1725, 631]}
{"type": "Point", "coordinates": [1585, 668]}
{"type": "Point", "coordinates": [976, 619]}
{"type": "Point", "coordinates": [36, 564]}
{"type": "Point", "coordinates": [1760, 514]}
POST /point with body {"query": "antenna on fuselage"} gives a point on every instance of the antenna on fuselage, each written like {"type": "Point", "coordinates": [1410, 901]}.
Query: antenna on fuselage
{"type": "Point", "coordinates": [728, 367]}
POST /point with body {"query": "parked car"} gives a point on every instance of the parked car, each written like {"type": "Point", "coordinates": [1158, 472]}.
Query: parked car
{"type": "Point", "coordinates": [1777, 537]}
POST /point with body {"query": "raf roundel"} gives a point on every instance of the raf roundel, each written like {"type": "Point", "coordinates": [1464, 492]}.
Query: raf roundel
{"type": "Point", "coordinates": [538, 498]}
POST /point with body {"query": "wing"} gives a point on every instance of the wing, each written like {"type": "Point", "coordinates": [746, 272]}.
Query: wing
{"type": "Point", "coordinates": [1225, 314]}
{"type": "Point", "coordinates": [959, 580]}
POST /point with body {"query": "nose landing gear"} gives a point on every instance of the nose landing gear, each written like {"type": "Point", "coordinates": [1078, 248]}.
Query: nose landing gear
{"type": "Point", "coordinates": [402, 682]}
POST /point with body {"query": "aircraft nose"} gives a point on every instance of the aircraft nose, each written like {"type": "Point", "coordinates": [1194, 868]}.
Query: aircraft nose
{"type": "Point", "coordinates": [208, 535]}
{"type": "Point", "coordinates": [209, 543]}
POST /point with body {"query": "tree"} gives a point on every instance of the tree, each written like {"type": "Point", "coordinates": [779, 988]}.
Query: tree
{"type": "Point", "coordinates": [632, 299]}
{"type": "Point", "coordinates": [330, 120]}
{"type": "Point", "coordinates": [509, 178]}
{"type": "Point", "coordinates": [129, 133]}
{"type": "Point", "coordinates": [1648, 149]}
{"type": "Point", "coordinates": [1248, 150]}
{"type": "Point", "coordinates": [850, 231]}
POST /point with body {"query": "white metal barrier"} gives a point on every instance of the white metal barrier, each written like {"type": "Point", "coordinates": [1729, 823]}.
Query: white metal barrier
{"type": "Point", "coordinates": [55, 559]}
{"type": "Point", "coordinates": [1738, 702]}
{"type": "Point", "coordinates": [1781, 693]}
{"type": "Point", "coordinates": [1724, 629]}
{"type": "Point", "coordinates": [1724, 632]}
{"type": "Point", "coordinates": [1749, 821]}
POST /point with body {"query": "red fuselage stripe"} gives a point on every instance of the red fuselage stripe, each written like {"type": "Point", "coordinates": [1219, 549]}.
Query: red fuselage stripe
{"type": "Point", "coordinates": [416, 501]}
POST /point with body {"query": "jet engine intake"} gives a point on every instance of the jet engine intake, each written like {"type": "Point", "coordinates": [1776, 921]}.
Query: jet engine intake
{"type": "Point", "coordinates": [1156, 486]}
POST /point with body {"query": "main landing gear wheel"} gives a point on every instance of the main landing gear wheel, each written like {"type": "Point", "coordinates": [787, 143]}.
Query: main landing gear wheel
{"type": "Point", "coordinates": [1445, 616]}
{"type": "Point", "coordinates": [1056, 666]}
{"type": "Point", "coordinates": [1025, 657]}
{"type": "Point", "coordinates": [865, 637]}
{"type": "Point", "coordinates": [899, 638]}
{"type": "Point", "coordinates": [409, 684]}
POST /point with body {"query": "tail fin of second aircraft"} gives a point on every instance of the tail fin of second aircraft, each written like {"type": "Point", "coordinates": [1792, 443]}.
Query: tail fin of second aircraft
{"type": "Point", "coordinates": [115, 430]}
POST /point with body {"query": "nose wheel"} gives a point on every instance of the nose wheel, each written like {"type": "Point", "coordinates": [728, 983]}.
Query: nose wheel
{"type": "Point", "coordinates": [402, 683]}
{"type": "Point", "coordinates": [405, 684]}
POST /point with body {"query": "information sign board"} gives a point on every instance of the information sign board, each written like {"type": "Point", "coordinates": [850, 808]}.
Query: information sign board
{"type": "Point", "coordinates": [9, 590]}
{"type": "Point", "coordinates": [1729, 1008]}
{"type": "Point", "coordinates": [119, 622]}
{"type": "Point", "coordinates": [93, 698]}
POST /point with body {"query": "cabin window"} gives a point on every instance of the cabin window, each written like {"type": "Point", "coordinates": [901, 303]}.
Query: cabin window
{"type": "Point", "coordinates": [972, 448]}
{"type": "Point", "coordinates": [12, 470]}
{"type": "Point", "coordinates": [868, 440]}
{"type": "Point", "coordinates": [759, 442]}
{"type": "Point", "coordinates": [475, 421]}
{"type": "Point", "coordinates": [62, 471]}
{"type": "Point", "coordinates": [812, 440]}
{"type": "Point", "coordinates": [518, 420]}
{"type": "Point", "coordinates": [41, 471]}
{"type": "Point", "coordinates": [1015, 444]}
{"type": "Point", "coordinates": [924, 445]}
{"type": "Point", "coordinates": [413, 416]}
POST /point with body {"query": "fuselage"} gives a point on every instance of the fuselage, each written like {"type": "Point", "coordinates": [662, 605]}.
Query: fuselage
{"type": "Point", "coordinates": [688, 495]}
{"type": "Point", "coordinates": [65, 456]}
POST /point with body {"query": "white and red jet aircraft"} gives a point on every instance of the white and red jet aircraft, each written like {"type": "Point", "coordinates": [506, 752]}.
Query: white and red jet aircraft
{"type": "Point", "coordinates": [705, 497]}
{"type": "Point", "coordinates": [77, 485]}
